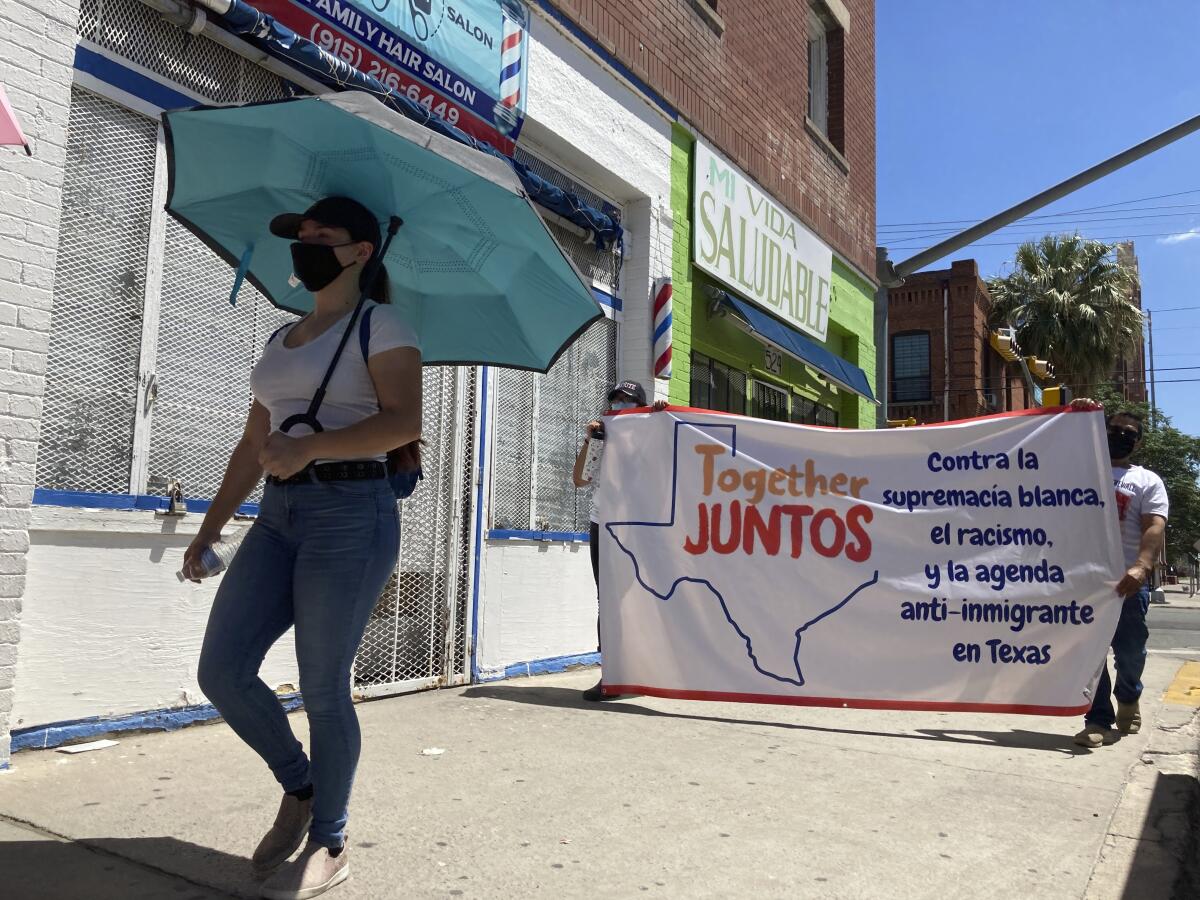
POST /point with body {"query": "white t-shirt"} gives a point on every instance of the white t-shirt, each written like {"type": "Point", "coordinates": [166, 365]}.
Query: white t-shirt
{"type": "Point", "coordinates": [286, 378]}
{"type": "Point", "coordinates": [1139, 493]}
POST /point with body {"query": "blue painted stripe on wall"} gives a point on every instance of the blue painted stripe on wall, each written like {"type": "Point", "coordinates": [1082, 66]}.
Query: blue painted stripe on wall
{"type": "Point", "coordinates": [42, 737]}
{"type": "Point", "coordinates": [547, 666]}
{"type": "Point", "coordinates": [508, 534]}
{"type": "Point", "coordinates": [89, 500]}
{"type": "Point", "coordinates": [112, 72]}
{"type": "Point", "coordinates": [610, 300]}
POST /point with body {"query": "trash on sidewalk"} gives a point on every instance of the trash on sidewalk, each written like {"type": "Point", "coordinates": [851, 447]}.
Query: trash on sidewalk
{"type": "Point", "coordinates": [84, 748]}
{"type": "Point", "coordinates": [432, 751]}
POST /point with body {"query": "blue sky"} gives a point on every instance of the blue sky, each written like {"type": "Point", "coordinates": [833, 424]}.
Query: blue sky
{"type": "Point", "coordinates": [981, 104]}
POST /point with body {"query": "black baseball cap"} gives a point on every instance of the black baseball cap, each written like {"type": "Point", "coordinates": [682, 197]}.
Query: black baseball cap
{"type": "Point", "coordinates": [630, 389]}
{"type": "Point", "coordinates": [337, 212]}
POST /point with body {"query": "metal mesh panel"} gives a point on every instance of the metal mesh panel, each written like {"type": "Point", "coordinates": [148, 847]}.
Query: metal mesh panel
{"type": "Point", "coordinates": [572, 392]}
{"type": "Point", "coordinates": [406, 635]}
{"type": "Point", "coordinates": [99, 281]}
{"type": "Point", "coordinates": [141, 35]}
{"type": "Point", "coordinates": [536, 440]}
{"type": "Point", "coordinates": [602, 266]}
{"type": "Point", "coordinates": [511, 484]}
{"type": "Point", "coordinates": [206, 349]}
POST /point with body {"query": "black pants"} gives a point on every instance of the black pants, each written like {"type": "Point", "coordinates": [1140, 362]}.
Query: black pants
{"type": "Point", "coordinates": [594, 541]}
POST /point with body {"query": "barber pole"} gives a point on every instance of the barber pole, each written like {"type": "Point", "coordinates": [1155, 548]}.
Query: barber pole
{"type": "Point", "coordinates": [510, 71]}
{"type": "Point", "coordinates": [662, 328]}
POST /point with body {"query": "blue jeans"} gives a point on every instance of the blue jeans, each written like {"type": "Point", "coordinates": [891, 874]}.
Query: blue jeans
{"type": "Point", "coordinates": [1129, 655]}
{"type": "Point", "coordinates": [317, 558]}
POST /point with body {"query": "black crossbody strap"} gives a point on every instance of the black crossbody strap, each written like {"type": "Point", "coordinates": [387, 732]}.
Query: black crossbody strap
{"type": "Point", "coordinates": [309, 417]}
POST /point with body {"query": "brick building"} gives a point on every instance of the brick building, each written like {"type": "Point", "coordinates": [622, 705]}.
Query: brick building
{"type": "Point", "coordinates": [1129, 375]}
{"type": "Point", "coordinates": [112, 323]}
{"type": "Point", "coordinates": [945, 362]}
{"type": "Point", "coordinates": [738, 72]}
{"type": "Point", "coordinates": [781, 106]}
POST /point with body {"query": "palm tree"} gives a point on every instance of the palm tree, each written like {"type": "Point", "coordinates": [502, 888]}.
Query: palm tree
{"type": "Point", "coordinates": [1070, 303]}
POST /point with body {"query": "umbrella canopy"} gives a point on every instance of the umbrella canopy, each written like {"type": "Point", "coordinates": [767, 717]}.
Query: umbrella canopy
{"type": "Point", "coordinates": [474, 269]}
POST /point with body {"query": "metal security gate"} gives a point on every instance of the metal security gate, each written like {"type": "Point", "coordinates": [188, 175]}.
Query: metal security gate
{"type": "Point", "coordinates": [417, 636]}
{"type": "Point", "coordinates": [148, 376]}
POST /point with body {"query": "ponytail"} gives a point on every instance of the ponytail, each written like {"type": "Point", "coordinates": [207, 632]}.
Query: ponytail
{"type": "Point", "coordinates": [380, 290]}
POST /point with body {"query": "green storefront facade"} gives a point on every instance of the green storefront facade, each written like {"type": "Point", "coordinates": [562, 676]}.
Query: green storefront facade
{"type": "Point", "coordinates": [717, 365]}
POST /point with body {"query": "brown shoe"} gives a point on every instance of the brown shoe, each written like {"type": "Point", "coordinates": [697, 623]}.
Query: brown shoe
{"type": "Point", "coordinates": [1094, 736]}
{"type": "Point", "coordinates": [1129, 717]}
{"type": "Point", "coordinates": [314, 872]}
{"type": "Point", "coordinates": [286, 835]}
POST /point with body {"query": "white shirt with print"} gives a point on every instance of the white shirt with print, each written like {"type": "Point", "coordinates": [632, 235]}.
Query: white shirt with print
{"type": "Point", "coordinates": [1139, 493]}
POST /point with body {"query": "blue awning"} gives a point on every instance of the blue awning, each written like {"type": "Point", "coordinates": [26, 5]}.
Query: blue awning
{"type": "Point", "coordinates": [793, 343]}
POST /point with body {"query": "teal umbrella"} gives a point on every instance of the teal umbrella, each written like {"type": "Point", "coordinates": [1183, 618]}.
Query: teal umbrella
{"type": "Point", "coordinates": [474, 269]}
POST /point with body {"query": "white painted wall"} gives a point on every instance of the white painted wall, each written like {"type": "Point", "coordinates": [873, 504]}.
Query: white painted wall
{"type": "Point", "coordinates": [594, 125]}
{"type": "Point", "coordinates": [107, 628]}
{"type": "Point", "coordinates": [539, 603]}
{"type": "Point", "coordinates": [537, 600]}
{"type": "Point", "coordinates": [36, 54]}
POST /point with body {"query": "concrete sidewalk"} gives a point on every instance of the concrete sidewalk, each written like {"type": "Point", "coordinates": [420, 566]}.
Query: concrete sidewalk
{"type": "Point", "coordinates": [540, 795]}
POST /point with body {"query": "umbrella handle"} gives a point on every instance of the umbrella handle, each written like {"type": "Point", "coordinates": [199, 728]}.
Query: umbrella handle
{"type": "Point", "coordinates": [301, 419]}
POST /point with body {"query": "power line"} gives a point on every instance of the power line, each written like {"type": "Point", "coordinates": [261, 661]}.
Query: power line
{"type": "Point", "coordinates": [1172, 309]}
{"type": "Point", "coordinates": [1194, 209]}
{"type": "Point", "coordinates": [1109, 239]}
{"type": "Point", "coordinates": [1051, 215]}
{"type": "Point", "coordinates": [1134, 378]}
{"type": "Point", "coordinates": [983, 390]}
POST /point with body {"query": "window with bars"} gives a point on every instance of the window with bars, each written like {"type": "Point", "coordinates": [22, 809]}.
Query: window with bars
{"type": "Point", "coordinates": [539, 429]}
{"type": "Point", "coordinates": [147, 376]}
{"type": "Point", "coordinates": [809, 412]}
{"type": "Point", "coordinates": [717, 386]}
{"type": "Point", "coordinates": [770, 402]}
{"type": "Point", "coordinates": [910, 368]}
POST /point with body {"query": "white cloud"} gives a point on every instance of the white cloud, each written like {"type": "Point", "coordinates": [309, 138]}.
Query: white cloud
{"type": "Point", "coordinates": [1190, 235]}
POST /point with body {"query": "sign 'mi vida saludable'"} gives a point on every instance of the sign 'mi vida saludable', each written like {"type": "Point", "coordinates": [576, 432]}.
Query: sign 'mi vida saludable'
{"type": "Point", "coordinates": [747, 241]}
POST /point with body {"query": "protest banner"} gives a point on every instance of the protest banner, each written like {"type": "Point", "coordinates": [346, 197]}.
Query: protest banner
{"type": "Point", "coordinates": [968, 566]}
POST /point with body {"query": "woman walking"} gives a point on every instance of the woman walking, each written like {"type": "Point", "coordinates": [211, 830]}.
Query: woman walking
{"type": "Point", "coordinates": [326, 539]}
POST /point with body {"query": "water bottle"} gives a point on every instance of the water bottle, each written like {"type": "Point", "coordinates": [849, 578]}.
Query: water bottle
{"type": "Point", "coordinates": [215, 559]}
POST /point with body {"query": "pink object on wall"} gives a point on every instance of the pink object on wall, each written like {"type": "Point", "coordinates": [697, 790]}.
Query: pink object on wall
{"type": "Point", "coordinates": [10, 130]}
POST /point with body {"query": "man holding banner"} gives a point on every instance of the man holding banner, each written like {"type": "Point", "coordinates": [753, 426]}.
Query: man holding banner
{"type": "Point", "coordinates": [1142, 508]}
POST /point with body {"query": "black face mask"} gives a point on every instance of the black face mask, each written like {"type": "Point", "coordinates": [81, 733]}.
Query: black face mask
{"type": "Point", "coordinates": [1121, 444]}
{"type": "Point", "coordinates": [316, 265]}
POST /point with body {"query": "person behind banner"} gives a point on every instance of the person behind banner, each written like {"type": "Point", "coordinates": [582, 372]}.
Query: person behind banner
{"type": "Point", "coordinates": [1142, 507]}
{"type": "Point", "coordinates": [625, 395]}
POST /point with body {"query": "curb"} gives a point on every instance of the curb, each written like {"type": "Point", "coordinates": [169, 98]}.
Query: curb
{"type": "Point", "coordinates": [1152, 846]}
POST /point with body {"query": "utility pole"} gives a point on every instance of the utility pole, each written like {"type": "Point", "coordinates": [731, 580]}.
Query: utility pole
{"type": "Point", "coordinates": [1153, 401]}
{"type": "Point", "coordinates": [893, 275]}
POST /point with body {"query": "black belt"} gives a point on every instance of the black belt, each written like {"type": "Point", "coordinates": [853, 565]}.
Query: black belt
{"type": "Point", "coordinates": [334, 471]}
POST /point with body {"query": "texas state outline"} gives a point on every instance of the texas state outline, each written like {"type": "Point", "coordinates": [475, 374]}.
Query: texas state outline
{"type": "Point", "coordinates": [794, 677]}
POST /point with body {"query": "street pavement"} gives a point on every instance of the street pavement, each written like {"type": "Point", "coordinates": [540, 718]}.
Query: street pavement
{"type": "Point", "coordinates": [538, 794]}
{"type": "Point", "coordinates": [1176, 623]}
